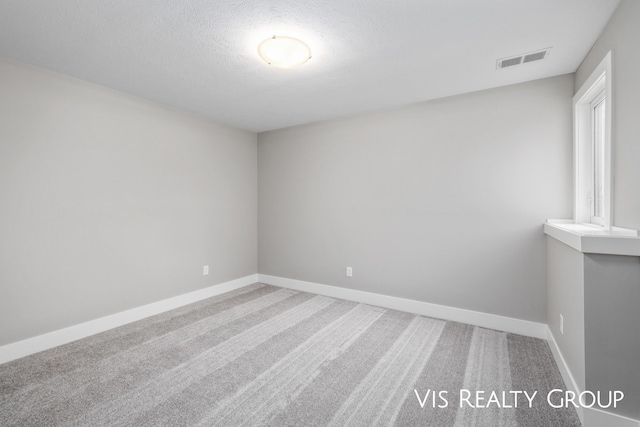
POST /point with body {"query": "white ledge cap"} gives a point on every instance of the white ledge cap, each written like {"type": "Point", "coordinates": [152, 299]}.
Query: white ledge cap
{"type": "Point", "coordinates": [588, 238]}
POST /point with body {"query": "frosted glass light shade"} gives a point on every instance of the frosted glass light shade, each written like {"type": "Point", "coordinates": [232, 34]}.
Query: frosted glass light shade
{"type": "Point", "coordinates": [284, 52]}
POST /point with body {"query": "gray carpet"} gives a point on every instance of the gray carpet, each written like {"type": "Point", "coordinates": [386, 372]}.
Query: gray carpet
{"type": "Point", "coordinates": [263, 355]}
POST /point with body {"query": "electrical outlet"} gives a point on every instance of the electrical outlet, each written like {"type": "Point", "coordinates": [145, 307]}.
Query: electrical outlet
{"type": "Point", "coordinates": [349, 272]}
{"type": "Point", "coordinates": [205, 270]}
{"type": "Point", "coordinates": [562, 324]}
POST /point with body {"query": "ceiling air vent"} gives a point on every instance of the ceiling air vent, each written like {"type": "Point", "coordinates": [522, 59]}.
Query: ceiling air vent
{"type": "Point", "coordinates": [510, 62]}
{"type": "Point", "coordinates": [523, 58]}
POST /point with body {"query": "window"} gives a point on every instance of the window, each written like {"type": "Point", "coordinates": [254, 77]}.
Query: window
{"type": "Point", "coordinates": [592, 148]}
{"type": "Point", "coordinates": [598, 116]}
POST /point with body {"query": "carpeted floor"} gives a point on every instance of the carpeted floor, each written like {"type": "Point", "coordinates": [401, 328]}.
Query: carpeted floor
{"type": "Point", "coordinates": [263, 355]}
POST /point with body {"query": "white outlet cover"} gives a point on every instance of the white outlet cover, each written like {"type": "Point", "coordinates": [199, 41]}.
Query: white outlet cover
{"type": "Point", "coordinates": [205, 270]}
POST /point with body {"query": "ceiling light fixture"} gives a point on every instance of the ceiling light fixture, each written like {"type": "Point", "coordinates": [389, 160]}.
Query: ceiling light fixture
{"type": "Point", "coordinates": [285, 52]}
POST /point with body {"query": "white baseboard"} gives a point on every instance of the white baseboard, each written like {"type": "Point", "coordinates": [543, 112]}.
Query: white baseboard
{"type": "Point", "coordinates": [485, 320]}
{"type": "Point", "coordinates": [72, 333]}
{"type": "Point", "coordinates": [589, 417]}
{"type": "Point", "coordinates": [569, 380]}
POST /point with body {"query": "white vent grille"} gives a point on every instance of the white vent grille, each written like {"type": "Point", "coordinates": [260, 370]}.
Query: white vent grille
{"type": "Point", "coordinates": [510, 62]}
{"type": "Point", "coordinates": [534, 56]}
{"type": "Point", "coordinates": [523, 58]}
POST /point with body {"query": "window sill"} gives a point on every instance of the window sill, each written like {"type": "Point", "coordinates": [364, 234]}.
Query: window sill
{"type": "Point", "coordinates": [591, 239]}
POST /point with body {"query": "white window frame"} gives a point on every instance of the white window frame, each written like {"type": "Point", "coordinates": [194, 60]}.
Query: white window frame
{"type": "Point", "coordinates": [599, 84]}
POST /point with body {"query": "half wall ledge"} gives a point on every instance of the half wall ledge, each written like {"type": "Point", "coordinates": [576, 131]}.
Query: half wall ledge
{"type": "Point", "coordinates": [592, 239]}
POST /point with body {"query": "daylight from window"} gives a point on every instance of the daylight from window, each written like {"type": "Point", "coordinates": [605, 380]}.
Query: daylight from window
{"type": "Point", "coordinates": [598, 120]}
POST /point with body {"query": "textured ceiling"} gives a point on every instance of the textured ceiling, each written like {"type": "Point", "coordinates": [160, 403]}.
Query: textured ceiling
{"type": "Point", "coordinates": [200, 55]}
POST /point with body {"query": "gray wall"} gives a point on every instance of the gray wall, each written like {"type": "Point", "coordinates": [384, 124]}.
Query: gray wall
{"type": "Point", "coordinates": [109, 202]}
{"type": "Point", "coordinates": [440, 202]}
{"type": "Point", "coordinates": [612, 284]}
{"type": "Point", "coordinates": [565, 296]}
{"type": "Point", "coordinates": [612, 328]}
{"type": "Point", "coordinates": [622, 36]}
